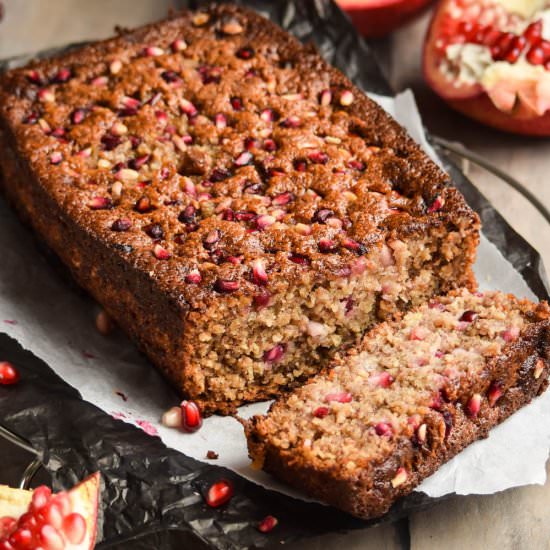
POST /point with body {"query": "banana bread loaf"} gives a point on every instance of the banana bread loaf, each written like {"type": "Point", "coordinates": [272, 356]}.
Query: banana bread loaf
{"type": "Point", "coordinates": [233, 202]}
{"type": "Point", "coordinates": [409, 398]}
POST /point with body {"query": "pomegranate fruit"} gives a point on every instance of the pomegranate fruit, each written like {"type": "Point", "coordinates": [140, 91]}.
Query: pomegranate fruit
{"type": "Point", "coordinates": [375, 18]}
{"type": "Point", "coordinates": [40, 519]}
{"type": "Point", "coordinates": [490, 60]}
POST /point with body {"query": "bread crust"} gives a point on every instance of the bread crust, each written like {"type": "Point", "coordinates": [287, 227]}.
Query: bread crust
{"type": "Point", "coordinates": [150, 299]}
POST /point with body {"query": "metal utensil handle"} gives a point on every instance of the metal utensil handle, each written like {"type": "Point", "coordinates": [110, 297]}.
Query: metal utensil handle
{"type": "Point", "coordinates": [461, 151]}
{"type": "Point", "coordinates": [36, 463]}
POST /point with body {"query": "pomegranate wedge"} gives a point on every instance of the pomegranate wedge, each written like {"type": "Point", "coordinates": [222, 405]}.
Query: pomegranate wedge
{"type": "Point", "coordinates": [491, 61]}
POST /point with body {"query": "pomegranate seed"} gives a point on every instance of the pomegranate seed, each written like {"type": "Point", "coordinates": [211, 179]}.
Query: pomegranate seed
{"type": "Point", "coordinates": [211, 239]}
{"type": "Point", "coordinates": [219, 174]}
{"type": "Point", "coordinates": [339, 397]}
{"type": "Point", "coordinates": [270, 145]}
{"type": "Point", "coordinates": [170, 77]}
{"type": "Point", "coordinates": [131, 103]}
{"type": "Point", "coordinates": [122, 224]}
{"type": "Point", "coordinates": [78, 115]}
{"type": "Point", "coordinates": [474, 405]}
{"type": "Point", "coordinates": [299, 259]}
{"type": "Point", "coordinates": [191, 418]}
{"type": "Point", "coordinates": [283, 199]}
{"type": "Point", "coordinates": [8, 374]}
{"type": "Point", "coordinates": [259, 275]}
{"type": "Point", "coordinates": [510, 334]}
{"type": "Point", "coordinates": [515, 50]}
{"type": "Point", "coordinates": [321, 216]}
{"type": "Point", "coordinates": [188, 215]}
{"type": "Point", "coordinates": [318, 157]}
{"type": "Point", "coordinates": [225, 286]}
{"type": "Point", "coordinates": [63, 75]}
{"type": "Point", "coordinates": [188, 108]}
{"type": "Point", "coordinates": [383, 429]}
{"type": "Point", "coordinates": [40, 497]}
{"type": "Point", "coordinates": [100, 81]}
{"type": "Point", "coordinates": [291, 122]}
{"type": "Point", "coordinates": [178, 45]}
{"type": "Point", "coordinates": [535, 55]}
{"type": "Point", "coordinates": [267, 115]}
{"type": "Point", "coordinates": [22, 538]}
{"type": "Point", "coordinates": [251, 143]}
{"type": "Point", "coordinates": [172, 418]}
{"type": "Point", "coordinates": [437, 204]}
{"type": "Point", "coordinates": [143, 205]}
{"type": "Point", "coordinates": [46, 95]}
{"type": "Point", "coordinates": [500, 49]}
{"type": "Point", "coordinates": [219, 493]}
{"type": "Point", "coordinates": [354, 246]}
{"type": "Point", "coordinates": [115, 66]}
{"type": "Point", "coordinates": [236, 103]}
{"type": "Point", "coordinates": [220, 120]}
{"type": "Point", "coordinates": [321, 412]}
{"type": "Point", "coordinates": [34, 77]}
{"type": "Point", "coordinates": [74, 527]}
{"type": "Point", "coordinates": [468, 316]}
{"type": "Point", "coordinates": [153, 51]}
{"type": "Point", "coordinates": [533, 33]}
{"type": "Point", "coordinates": [494, 393]}
{"type": "Point", "coordinates": [193, 277]}
{"type": "Point", "coordinates": [264, 221]}
{"type": "Point", "coordinates": [275, 354]}
{"type": "Point", "coordinates": [244, 158]}
{"type": "Point", "coordinates": [138, 162]}
{"type": "Point", "coordinates": [244, 216]}
{"type": "Point", "coordinates": [346, 98]}
{"type": "Point", "coordinates": [119, 129]}
{"type": "Point", "coordinates": [245, 53]}
{"type": "Point", "coordinates": [110, 142]}
{"type": "Point", "coordinates": [382, 379]}
{"type": "Point", "coordinates": [356, 165]}
{"type": "Point", "coordinates": [31, 118]}
{"type": "Point", "coordinates": [56, 157]}
{"type": "Point", "coordinates": [261, 300]}
{"type": "Point", "coordinates": [326, 246]}
{"type": "Point", "coordinates": [161, 253]}
{"type": "Point", "coordinates": [325, 98]}
{"type": "Point", "coordinates": [399, 478]}
{"type": "Point", "coordinates": [267, 524]}
{"type": "Point", "coordinates": [100, 203]}
{"type": "Point", "coordinates": [51, 539]}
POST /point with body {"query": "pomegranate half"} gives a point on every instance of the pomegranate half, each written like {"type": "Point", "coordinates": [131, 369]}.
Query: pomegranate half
{"type": "Point", "coordinates": [490, 60]}
{"type": "Point", "coordinates": [39, 519]}
{"type": "Point", "coordinates": [375, 18]}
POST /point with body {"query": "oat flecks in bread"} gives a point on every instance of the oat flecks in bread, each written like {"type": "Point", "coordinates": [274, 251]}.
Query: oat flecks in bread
{"type": "Point", "coordinates": [407, 399]}
{"type": "Point", "coordinates": [233, 202]}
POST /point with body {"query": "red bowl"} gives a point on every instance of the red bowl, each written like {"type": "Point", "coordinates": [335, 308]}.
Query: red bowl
{"type": "Point", "coordinates": [375, 18]}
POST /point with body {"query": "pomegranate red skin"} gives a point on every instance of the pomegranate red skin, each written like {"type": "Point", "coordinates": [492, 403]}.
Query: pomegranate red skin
{"type": "Point", "coordinates": [376, 18]}
{"type": "Point", "coordinates": [473, 101]}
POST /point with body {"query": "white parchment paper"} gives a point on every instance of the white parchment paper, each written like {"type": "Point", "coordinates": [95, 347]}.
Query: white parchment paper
{"type": "Point", "coordinates": [57, 324]}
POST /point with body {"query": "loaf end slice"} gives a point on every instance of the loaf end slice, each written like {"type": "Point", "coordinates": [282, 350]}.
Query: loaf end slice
{"type": "Point", "coordinates": [411, 396]}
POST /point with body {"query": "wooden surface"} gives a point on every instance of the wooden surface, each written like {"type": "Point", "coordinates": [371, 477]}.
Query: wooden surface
{"type": "Point", "coordinates": [514, 519]}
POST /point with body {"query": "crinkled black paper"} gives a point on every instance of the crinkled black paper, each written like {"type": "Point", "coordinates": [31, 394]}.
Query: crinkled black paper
{"type": "Point", "coordinates": [151, 495]}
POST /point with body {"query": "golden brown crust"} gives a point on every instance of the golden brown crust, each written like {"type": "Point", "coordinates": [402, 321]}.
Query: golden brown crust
{"type": "Point", "coordinates": [396, 193]}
